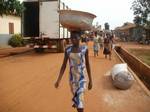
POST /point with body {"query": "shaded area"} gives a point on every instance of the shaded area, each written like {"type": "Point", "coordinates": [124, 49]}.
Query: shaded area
{"type": "Point", "coordinates": [30, 19]}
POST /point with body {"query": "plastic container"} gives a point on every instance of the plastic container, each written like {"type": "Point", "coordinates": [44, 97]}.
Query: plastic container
{"type": "Point", "coordinates": [121, 77]}
{"type": "Point", "coordinates": [76, 20]}
{"type": "Point", "coordinates": [118, 68]}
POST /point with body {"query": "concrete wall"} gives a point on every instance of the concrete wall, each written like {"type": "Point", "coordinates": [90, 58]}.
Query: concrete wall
{"type": "Point", "coordinates": [142, 70]}
{"type": "Point", "coordinates": [4, 40]}
{"type": "Point", "coordinates": [4, 28]}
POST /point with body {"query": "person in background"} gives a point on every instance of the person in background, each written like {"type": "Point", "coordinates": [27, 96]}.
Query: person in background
{"type": "Point", "coordinates": [79, 62]}
{"type": "Point", "coordinates": [95, 44]}
{"type": "Point", "coordinates": [83, 39]}
{"type": "Point", "coordinates": [111, 40]}
{"type": "Point", "coordinates": [101, 41]}
{"type": "Point", "coordinates": [107, 46]}
{"type": "Point", "coordinates": [87, 39]}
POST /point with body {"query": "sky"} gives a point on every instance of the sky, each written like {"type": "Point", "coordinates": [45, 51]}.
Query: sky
{"type": "Point", "coordinates": [115, 12]}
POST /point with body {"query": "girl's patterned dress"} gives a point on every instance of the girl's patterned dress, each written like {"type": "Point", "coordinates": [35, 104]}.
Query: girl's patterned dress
{"type": "Point", "coordinates": [77, 75]}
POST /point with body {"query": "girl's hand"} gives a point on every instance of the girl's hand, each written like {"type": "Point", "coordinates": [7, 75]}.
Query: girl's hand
{"type": "Point", "coordinates": [57, 84]}
{"type": "Point", "coordinates": [90, 85]}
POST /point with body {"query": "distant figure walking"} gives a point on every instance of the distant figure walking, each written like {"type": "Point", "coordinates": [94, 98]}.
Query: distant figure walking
{"type": "Point", "coordinates": [107, 46]}
{"type": "Point", "coordinates": [95, 44]}
{"type": "Point", "coordinates": [101, 41]}
{"type": "Point", "coordinates": [85, 39]}
{"type": "Point", "coordinates": [111, 40]}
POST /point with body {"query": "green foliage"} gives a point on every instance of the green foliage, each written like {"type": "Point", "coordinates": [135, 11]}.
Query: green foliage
{"type": "Point", "coordinates": [16, 41]}
{"type": "Point", "coordinates": [13, 7]}
{"type": "Point", "coordinates": [1, 7]}
{"type": "Point", "coordinates": [137, 20]}
{"type": "Point", "coordinates": [141, 10]}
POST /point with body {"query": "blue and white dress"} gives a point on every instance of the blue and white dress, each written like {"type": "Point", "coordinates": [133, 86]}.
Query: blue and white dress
{"type": "Point", "coordinates": [77, 74]}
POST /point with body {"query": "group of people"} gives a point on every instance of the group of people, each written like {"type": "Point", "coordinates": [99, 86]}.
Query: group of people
{"type": "Point", "coordinates": [102, 41]}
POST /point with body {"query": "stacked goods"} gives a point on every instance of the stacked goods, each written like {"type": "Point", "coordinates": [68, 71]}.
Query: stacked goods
{"type": "Point", "coordinates": [121, 77]}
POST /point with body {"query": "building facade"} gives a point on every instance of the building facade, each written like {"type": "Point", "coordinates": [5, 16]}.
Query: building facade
{"type": "Point", "coordinates": [9, 25]}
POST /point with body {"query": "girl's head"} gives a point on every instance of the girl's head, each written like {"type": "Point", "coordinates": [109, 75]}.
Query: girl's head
{"type": "Point", "coordinates": [75, 37]}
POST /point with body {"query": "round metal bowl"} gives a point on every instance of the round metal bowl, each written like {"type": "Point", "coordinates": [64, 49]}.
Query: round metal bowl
{"type": "Point", "coordinates": [76, 20]}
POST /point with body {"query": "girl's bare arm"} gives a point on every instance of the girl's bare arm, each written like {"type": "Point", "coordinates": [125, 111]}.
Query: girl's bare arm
{"type": "Point", "coordinates": [88, 69]}
{"type": "Point", "coordinates": [63, 67]}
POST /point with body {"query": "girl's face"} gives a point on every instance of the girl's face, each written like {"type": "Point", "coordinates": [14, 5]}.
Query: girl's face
{"type": "Point", "coordinates": [75, 41]}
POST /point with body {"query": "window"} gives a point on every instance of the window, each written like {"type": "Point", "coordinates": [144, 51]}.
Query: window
{"type": "Point", "coordinates": [11, 28]}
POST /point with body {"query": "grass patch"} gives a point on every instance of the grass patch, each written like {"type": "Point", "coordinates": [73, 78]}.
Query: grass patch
{"type": "Point", "coordinates": [142, 54]}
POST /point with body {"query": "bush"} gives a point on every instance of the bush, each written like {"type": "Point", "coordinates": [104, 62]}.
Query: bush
{"type": "Point", "coordinates": [16, 41]}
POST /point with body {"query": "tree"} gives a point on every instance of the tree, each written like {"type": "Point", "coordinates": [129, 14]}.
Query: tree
{"type": "Point", "coordinates": [141, 10]}
{"type": "Point", "coordinates": [106, 26]}
{"type": "Point", "coordinates": [2, 10]}
{"type": "Point", "coordinates": [137, 20]}
{"type": "Point", "coordinates": [13, 7]}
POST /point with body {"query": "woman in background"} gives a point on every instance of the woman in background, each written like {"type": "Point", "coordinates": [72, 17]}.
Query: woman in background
{"type": "Point", "coordinates": [107, 46]}
{"type": "Point", "coordinates": [95, 44]}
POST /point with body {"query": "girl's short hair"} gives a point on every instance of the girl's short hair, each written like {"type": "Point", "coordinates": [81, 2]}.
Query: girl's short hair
{"type": "Point", "coordinates": [75, 34]}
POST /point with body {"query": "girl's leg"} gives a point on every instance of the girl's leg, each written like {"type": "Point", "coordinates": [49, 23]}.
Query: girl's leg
{"type": "Point", "coordinates": [105, 56]}
{"type": "Point", "coordinates": [80, 110]}
{"type": "Point", "coordinates": [97, 53]}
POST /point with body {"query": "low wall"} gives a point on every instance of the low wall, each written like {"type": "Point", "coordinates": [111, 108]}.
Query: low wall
{"type": "Point", "coordinates": [140, 68]}
{"type": "Point", "coordinates": [4, 39]}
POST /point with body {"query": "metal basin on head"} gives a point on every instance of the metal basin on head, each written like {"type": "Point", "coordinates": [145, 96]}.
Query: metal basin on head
{"type": "Point", "coordinates": [76, 20]}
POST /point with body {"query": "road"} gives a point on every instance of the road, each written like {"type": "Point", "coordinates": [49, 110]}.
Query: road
{"type": "Point", "coordinates": [27, 85]}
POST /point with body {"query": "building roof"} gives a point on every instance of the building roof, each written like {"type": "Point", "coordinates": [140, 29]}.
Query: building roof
{"type": "Point", "coordinates": [126, 26]}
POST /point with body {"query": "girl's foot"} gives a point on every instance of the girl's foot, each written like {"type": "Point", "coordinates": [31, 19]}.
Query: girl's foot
{"type": "Point", "coordinates": [74, 106]}
{"type": "Point", "coordinates": [80, 110]}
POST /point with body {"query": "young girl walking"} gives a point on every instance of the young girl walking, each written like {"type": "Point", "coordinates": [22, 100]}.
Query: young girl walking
{"type": "Point", "coordinates": [79, 62]}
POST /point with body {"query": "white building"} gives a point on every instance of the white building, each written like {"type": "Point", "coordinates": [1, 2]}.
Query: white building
{"type": "Point", "coordinates": [12, 25]}
{"type": "Point", "coordinates": [9, 25]}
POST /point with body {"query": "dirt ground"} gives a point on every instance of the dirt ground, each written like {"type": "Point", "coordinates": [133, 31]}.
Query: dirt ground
{"type": "Point", "coordinates": [5, 52]}
{"type": "Point", "coordinates": [27, 85]}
